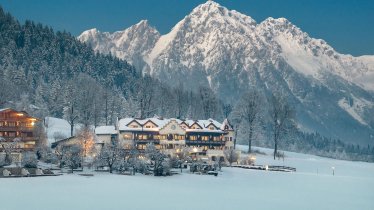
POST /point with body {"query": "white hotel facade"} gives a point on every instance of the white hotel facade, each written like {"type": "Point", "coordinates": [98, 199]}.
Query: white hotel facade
{"type": "Point", "coordinates": [205, 138]}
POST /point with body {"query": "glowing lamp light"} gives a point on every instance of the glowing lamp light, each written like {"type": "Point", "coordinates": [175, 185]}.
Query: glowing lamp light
{"type": "Point", "coordinates": [20, 114]}
{"type": "Point", "coordinates": [194, 149]}
{"type": "Point", "coordinates": [32, 123]}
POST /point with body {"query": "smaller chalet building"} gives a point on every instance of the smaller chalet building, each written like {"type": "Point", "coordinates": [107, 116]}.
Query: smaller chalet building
{"type": "Point", "coordinates": [19, 127]}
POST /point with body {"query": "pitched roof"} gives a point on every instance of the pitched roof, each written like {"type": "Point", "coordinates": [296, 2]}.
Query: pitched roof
{"type": "Point", "coordinates": [102, 130]}
{"type": "Point", "coordinates": [226, 123]}
{"type": "Point", "coordinates": [161, 122]}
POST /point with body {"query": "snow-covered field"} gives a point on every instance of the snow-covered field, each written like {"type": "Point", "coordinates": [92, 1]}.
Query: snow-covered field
{"type": "Point", "coordinates": [351, 188]}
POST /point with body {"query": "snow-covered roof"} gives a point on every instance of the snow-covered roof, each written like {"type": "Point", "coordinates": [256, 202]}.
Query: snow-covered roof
{"type": "Point", "coordinates": [4, 109]}
{"type": "Point", "coordinates": [123, 124]}
{"type": "Point", "coordinates": [226, 123]}
{"type": "Point", "coordinates": [102, 130]}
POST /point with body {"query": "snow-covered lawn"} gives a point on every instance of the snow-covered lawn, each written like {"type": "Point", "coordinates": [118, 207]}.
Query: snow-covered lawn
{"type": "Point", "coordinates": [351, 188]}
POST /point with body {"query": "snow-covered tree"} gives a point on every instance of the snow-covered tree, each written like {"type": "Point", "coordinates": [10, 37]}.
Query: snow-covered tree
{"type": "Point", "coordinates": [250, 111]}
{"type": "Point", "coordinates": [29, 160]}
{"type": "Point", "coordinates": [86, 138]}
{"type": "Point", "coordinates": [110, 155]}
{"type": "Point", "coordinates": [71, 156]}
{"type": "Point", "coordinates": [183, 155]}
{"type": "Point", "coordinates": [157, 159]}
{"type": "Point", "coordinates": [231, 155]}
{"type": "Point", "coordinates": [282, 118]}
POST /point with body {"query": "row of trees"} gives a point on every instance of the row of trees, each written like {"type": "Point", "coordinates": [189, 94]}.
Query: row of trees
{"type": "Point", "coordinates": [257, 115]}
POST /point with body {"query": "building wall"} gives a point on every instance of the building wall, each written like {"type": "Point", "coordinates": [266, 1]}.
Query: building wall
{"type": "Point", "coordinates": [20, 126]}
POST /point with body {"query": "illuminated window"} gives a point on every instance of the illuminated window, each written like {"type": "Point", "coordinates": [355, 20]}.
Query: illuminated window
{"type": "Point", "coordinates": [127, 136]}
{"type": "Point", "coordinates": [142, 137]}
{"type": "Point", "coordinates": [141, 146]}
{"type": "Point", "coordinates": [205, 138]}
{"type": "Point", "coordinates": [1, 124]}
{"type": "Point", "coordinates": [1, 134]}
{"type": "Point", "coordinates": [216, 138]}
{"type": "Point", "coordinates": [193, 138]}
{"type": "Point", "coordinates": [12, 124]}
{"type": "Point", "coordinates": [148, 126]}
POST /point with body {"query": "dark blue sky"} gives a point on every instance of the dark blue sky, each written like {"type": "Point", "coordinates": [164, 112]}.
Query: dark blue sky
{"type": "Point", "coordinates": [347, 25]}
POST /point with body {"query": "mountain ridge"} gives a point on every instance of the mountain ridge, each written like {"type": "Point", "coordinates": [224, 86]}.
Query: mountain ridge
{"type": "Point", "coordinates": [230, 52]}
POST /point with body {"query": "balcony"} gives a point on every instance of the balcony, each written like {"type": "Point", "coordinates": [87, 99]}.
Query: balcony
{"type": "Point", "coordinates": [146, 141]}
{"type": "Point", "coordinates": [16, 128]}
{"type": "Point", "coordinates": [213, 143]}
{"type": "Point", "coordinates": [24, 139]}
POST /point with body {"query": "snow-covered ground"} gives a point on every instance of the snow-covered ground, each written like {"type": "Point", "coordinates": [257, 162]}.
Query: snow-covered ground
{"type": "Point", "coordinates": [352, 187]}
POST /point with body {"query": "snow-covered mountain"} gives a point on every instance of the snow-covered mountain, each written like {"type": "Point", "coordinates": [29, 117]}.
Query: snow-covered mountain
{"type": "Point", "coordinates": [230, 52]}
{"type": "Point", "coordinates": [131, 44]}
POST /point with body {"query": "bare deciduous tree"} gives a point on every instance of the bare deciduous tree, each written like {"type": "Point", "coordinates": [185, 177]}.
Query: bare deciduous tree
{"type": "Point", "coordinates": [156, 157]}
{"type": "Point", "coordinates": [249, 110]}
{"type": "Point", "coordinates": [231, 155]}
{"type": "Point", "coordinates": [110, 155]}
{"type": "Point", "coordinates": [281, 119]}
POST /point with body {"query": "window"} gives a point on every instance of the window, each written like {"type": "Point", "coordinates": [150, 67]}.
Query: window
{"type": "Point", "coordinates": [193, 138]}
{"type": "Point", "coordinates": [134, 126]}
{"type": "Point", "coordinates": [205, 138]}
{"type": "Point", "coordinates": [178, 137]}
{"type": "Point", "coordinates": [148, 126]}
{"type": "Point", "coordinates": [142, 137]}
{"type": "Point", "coordinates": [141, 146]}
{"type": "Point", "coordinates": [12, 134]}
{"type": "Point", "coordinates": [205, 148]}
{"type": "Point", "coordinates": [12, 124]}
{"type": "Point", "coordinates": [1, 124]}
{"type": "Point", "coordinates": [216, 138]}
{"type": "Point", "coordinates": [127, 136]}
{"type": "Point", "coordinates": [1, 134]}
{"type": "Point", "coordinates": [211, 127]}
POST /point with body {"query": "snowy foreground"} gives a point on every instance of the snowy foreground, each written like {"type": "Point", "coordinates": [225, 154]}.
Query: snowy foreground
{"type": "Point", "coordinates": [351, 188]}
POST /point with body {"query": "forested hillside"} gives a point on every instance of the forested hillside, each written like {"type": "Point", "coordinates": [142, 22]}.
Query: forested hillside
{"type": "Point", "coordinates": [61, 77]}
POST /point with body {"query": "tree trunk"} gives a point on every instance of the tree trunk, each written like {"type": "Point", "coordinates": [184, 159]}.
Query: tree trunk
{"type": "Point", "coordinates": [110, 169]}
{"type": "Point", "coordinates": [236, 134]}
{"type": "Point", "coordinates": [250, 140]}
{"type": "Point", "coordinates": [275, 149]}
{"type": "Point", "coordinates": [71, 128]}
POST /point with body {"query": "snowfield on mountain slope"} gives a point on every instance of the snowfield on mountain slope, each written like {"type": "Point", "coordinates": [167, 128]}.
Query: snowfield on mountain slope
{"type": "Point", "coordinates": [311, 187]}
